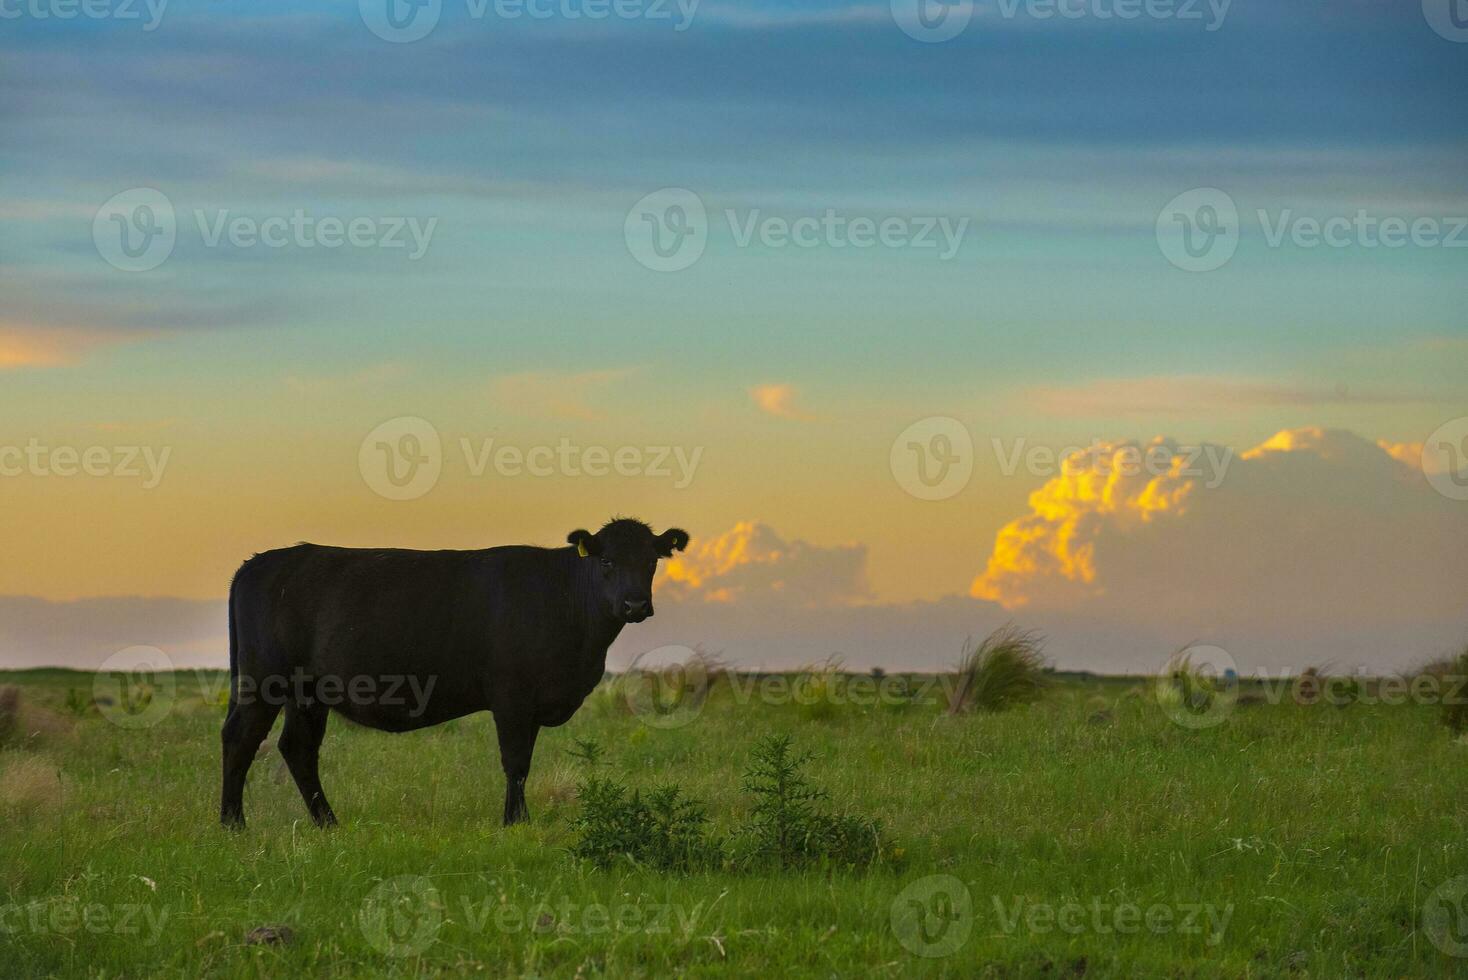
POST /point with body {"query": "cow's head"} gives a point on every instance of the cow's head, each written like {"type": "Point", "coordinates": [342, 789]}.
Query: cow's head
{"type": "Point", "coordinates": [625, 554]}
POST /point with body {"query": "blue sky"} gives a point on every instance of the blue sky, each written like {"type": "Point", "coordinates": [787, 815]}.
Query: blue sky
{"type": "Point", "coordinates": [527, 141]}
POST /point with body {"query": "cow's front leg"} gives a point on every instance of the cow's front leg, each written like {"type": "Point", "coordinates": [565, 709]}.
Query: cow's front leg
{"type": "Point", "coordinates": [517, 731]}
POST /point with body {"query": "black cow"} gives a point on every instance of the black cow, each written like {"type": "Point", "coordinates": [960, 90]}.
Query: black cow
{"type": "Point", "coordinates": [398, 640]}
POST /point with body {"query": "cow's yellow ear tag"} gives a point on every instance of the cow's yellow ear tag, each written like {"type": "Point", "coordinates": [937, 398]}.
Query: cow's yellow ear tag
{"type": "Point", "coordinates": [581, 549]}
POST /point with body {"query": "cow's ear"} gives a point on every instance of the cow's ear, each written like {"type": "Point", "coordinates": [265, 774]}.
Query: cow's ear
{"type": "Point", "coordinates": [585, 542]}
{"type": "Point", "coordinates": [671, 540]}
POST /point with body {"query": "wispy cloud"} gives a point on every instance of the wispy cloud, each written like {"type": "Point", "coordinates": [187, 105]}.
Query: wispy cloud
{"type": "Point", "coordinates": [367, 377]}
{"type": "Point", "coordinates": [28, 346]}
{"type": "Point", "coordinates": [557, 394]}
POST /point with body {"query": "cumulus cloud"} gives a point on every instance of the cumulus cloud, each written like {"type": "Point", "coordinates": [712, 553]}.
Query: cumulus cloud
{"type": "Point", "coordinates": [778, 400]}
{"type": "Point", "coordinates": [1313, 529]}
{"type": "Point", "coordinates": [752, 563]}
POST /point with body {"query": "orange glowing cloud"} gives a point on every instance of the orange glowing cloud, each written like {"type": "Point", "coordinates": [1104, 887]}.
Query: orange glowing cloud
{"type": "Point", "coordinates": [779, 400]}
{"type": "Point", "coordinates": [1108, 484]}
{"type": "Point", "coordinates": [752, 562]}
{"type": "Point", "coordinates": [25, 346]}
{"type": "Point", "coordinates": [1311, 526]}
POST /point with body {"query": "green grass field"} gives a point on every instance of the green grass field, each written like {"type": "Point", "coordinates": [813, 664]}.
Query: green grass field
{"type": "Point", "coordinates": [1085, 834]}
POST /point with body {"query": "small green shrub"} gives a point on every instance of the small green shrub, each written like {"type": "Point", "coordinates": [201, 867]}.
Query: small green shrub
{"type": "Point", "coordinates": [587, 750]}
{"type": "Point", "coordinates": [661, 830]}
{"type": "Point", "coordinates": [1007, 668]}
{"type": "Point", "coordinates": [787, 826]}
{"type": "Point", "coordinates": [668, 832]}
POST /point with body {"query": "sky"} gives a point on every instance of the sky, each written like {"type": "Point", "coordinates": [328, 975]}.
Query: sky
{"type": "Point", "coordinates": [1141, 324]}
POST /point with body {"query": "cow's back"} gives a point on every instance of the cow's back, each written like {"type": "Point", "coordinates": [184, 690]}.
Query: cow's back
{"type": "Point", "coordinates": [436, 633]}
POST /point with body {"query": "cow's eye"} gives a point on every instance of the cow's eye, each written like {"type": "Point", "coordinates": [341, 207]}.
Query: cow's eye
{"type": "Point", "coordinates": [606, 563]}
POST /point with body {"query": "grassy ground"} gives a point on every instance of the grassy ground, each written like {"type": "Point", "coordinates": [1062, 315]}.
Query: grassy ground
{"type": "Point", "coordinates": [1086, 834]}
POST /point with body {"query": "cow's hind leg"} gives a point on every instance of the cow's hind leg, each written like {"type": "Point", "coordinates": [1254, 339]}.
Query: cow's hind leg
{"type": "Point", "coordinates": [300, 744]}
{"type": "Point", "coordinates": [517, 732]}
{"type": "Point", "coordinates": [245, 727]}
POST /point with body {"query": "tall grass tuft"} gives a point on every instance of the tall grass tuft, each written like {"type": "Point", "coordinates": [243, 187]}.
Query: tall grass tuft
{"type": "Point", "coordinates": [818, 689]}
{"type": "Point", "coordinates": [1184, 689]}
{"type": "Point", "coordinates": [1007, 668]}
{"type": "Point", "coordinates": [9, 713]}
{"type": "Point", "coordinates": [1452, 678]}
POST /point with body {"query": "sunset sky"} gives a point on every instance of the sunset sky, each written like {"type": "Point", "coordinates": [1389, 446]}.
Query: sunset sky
{"type": "Point", "coordinates": [252, 374]}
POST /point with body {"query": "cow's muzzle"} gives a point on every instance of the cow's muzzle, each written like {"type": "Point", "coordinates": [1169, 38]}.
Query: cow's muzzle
{"type": "Point", "coordinates": [636, 610]}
